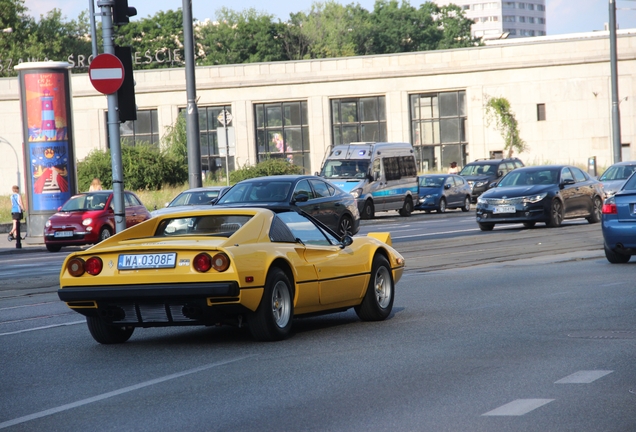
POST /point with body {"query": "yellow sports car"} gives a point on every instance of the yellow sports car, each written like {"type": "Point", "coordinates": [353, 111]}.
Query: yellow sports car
{"type": "Point", "coordinates": [239, 266]}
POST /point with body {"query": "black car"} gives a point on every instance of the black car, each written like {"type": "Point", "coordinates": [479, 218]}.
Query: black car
{"type": "Point", "coordinates": [317, 197]}
{"type": "Point", "coordinates": [481, 173]}
{"type": "Point", "coordinates": [548, 193]}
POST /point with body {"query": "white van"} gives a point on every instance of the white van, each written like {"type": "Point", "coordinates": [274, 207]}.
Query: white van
{"type": "Point", "coordinates": [381, 176]}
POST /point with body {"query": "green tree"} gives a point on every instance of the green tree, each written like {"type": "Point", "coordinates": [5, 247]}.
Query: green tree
{"type": "Point", "coordinates": [268, 167]}
{"type": "Point", "coordinates": [455, 28]}
{"type": "Point", "coordinates": [498, 111]}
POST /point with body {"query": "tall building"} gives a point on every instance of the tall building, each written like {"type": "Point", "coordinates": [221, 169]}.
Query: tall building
{"type": "Point", "coordinates": [512, 19]}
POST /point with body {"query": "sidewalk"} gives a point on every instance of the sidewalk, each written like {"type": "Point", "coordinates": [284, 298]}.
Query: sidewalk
{"type": "Point", "coordinates": [32, 244]}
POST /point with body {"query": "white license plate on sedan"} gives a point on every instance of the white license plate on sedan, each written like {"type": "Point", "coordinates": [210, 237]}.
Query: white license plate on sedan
{"type": "Point", "coordinates": [146, 261]}
{"type": "Point", "coordinates": [504, 209]}
{"type": "Point", "coordinates": [63, 234]}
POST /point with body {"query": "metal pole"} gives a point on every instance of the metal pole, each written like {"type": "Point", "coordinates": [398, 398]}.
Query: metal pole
{"type": "Point", "coordinates": [17, 161]}
{"type": "Point", "coordinates": [227, 149]}
{"type": "Point", "coordinates": [91, 11]}
{"type": "Point", "coordinates": [616, 116]}
{"type": "Point", "coordinates": [113, 121]}
{"type": "Point", "coordinates": [192, 112]}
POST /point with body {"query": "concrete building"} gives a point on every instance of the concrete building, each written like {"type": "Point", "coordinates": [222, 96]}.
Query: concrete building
{"type": "Point", "coordinates": [559, 88]}
{"type": "Point", "coordinates": [514, 19]}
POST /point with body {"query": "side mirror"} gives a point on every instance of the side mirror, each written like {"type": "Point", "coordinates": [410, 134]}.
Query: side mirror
{"type": "Point", "coordinates": [316, 173]}
{"type": "Point", "coordinates": [492, 185]}
{"type": "Point", "coordinates": [301, 197]}
{"type": "Point", "coordinates": [167, 204]}
{"type": "Point", "coordinates": [447, 186]}
{"type": "Point", "coordinates": [499, 173]}
{"type": "Point", "coordinates": [376, 176]}
{"type": "Point", "coordinates": [566, 182]}
{"type": "Point", "coordinates": [346, 241]}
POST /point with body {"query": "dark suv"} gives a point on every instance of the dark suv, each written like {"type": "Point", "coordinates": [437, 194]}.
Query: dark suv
{"type": "Point", "coordinates": [481, 173]}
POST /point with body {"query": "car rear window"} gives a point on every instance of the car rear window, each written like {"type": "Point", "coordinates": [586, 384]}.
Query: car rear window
{"type": "Point", "coordinates": [208, 225]}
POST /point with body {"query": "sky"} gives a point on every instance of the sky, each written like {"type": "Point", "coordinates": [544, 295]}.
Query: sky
{"type": "Point", "coordinates": [562, 16]}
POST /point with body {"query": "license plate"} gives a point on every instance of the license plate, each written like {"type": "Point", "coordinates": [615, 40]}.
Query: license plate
{"type": "Point", "coordinates": [63, 234]}
{"type": "Point", "coordinates": [147, 261]}
{"type": "Point", "coordinates": [504, 209]}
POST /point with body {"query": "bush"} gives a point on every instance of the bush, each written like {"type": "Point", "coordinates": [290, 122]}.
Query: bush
{"type": "Point", "coordinates": [268, 167]}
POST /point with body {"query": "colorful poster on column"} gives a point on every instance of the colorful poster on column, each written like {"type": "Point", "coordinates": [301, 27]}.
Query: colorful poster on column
{"type": "Point", "coordinates": [48, 149]}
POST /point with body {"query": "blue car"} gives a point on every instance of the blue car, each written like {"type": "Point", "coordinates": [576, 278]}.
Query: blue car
{"type": "Point", "coordinates": [441, 192]}
{"type": "Point", "coordinates": [619, 223]}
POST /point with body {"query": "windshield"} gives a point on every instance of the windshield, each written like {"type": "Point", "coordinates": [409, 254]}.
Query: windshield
{"type": "Point", "coordinates": [216, 226]}
{"type": "Point", "coordinates": [257, 191]}
{"type": "Point", "coordinates": [545, 176]}
{"type": "Point", "coordinates": [479, 169]}
{"type": "Point", "coordinates": [86, 202]}
{"type": "Point", "coordinates": [432, 181]}
{"type": "Point", "coordinates": [618, 172]}
{"type": "Point", "coordinates": [345, 169]}
{"type": "Point", "coordinates": [194, 198]}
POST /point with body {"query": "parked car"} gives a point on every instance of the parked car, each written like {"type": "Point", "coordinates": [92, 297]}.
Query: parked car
{"type": "Point", "coordinates": [443, 191]}
{"type": "Point", "coordinates": [614, 177]}
{"type": "Point", "coordinates": [89, 218]}
{"type": "Point", "coordinates": [192, 197]}
{"type": "Point", "coordinates": [314, 195]}
{"type": "Point", "coordinates": [549, 193]}
{"type": "Point", "coordinates": [619, 223]}
{"type": "Point", "coordinates": [482, 173]}
{"type": "Point", "coordinates": [231, 266]}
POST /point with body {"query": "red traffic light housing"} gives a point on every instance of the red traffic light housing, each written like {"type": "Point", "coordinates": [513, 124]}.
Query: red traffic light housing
{"type": "Point", "coordinates": [122, 12]}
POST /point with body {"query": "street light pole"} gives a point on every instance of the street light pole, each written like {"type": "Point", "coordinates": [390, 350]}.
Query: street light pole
{"type": "Point", "coordinates": [17, 161]}
{"type": "Point", "coordinates": [616, 117]}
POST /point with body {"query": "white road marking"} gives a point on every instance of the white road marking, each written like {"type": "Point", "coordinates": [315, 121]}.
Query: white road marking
{"type": "Point", "coordinates": [42, 328]}
{"type": "Point", "coordinates": [583, 377]}
{"type": "Point", "coordinates": [518, 407]}
{"type": "Point", "coordinates": [113, 393]}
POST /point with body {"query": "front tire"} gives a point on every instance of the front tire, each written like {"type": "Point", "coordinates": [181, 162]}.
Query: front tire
{"type": "Point", "coordinates": [107, 334]}
{"type": "Point", "coordinates": [368, 211]}
{"type": "Point", "coordinates": [377, 303]}
{"type": "Point", "coordinates": [529, 224]}
{"type": "Point", "coordinates": [53, 248]}
{"type": "Point", "coordinates": [442, 206]}
{"type": "Point", "coordinates": [556, 214]}
{"type": "Point", "coordinates": [407, 209]}
{"type": "Point", "coordinates": [104, 233]}
{"type": "Point", "coordinates": [597, 211]}
{"type": "Point", "coordinates": [486, 226]}
{"type": "Point", "coordinates": [615, 257]}
{"type": "Point", "coordinates": [466, 204]}
{"type": "Point", "coordinates": [272, 320]}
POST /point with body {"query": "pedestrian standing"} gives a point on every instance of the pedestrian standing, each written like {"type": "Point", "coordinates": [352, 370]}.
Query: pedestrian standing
{"type": "Point", "coordinates": [453, 169]}
{"type": "Point", "coordinates": [17, 213]}
{"type": "Point", "coordinates": [96, 185]}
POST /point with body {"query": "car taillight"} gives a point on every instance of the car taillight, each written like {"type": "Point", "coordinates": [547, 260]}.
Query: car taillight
{"type": "Point", "coordinates": [202, 262]}
{"type": "Point", "coordinates": [610, 208]}
{"type": "Point", "coordinates": [220, 262]}
{"type": "Point", "coordinates": [75, 267]}
{"type": "Point", "coordinates": [94, 266]}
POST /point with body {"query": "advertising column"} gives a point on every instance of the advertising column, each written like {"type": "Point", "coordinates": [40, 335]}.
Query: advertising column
{"type": "Point", "coordinates": [47, 130]}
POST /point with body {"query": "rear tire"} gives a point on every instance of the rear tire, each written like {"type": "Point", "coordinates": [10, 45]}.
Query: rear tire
{"type": "Point", "coordinates": [407, 209]}
{"type": "Point", "coordinates": [486, 226]}
{"type": "Point", "coordinates": [53, 248]}
{"type": "Point", "coordinates": [377, 303]}
{"type": "Point", "coordinates": [466, 204]}
{"type": "Point", "coordinates": [615, 257]}
{"type": "Point", "coordinates": [345, 226]}
{"type": "Point", "coordinates": [529, 224]}
{"type": "Point", "coordinates": [368, 211]}
{"type": "Point", "coordinates": [597, 211]}
{"type": "Point", "coordinates": [556, 214]}
{"type": "Point", "coordinates": [107, 334]}
{"type": "Point", "coordinates": [442, 206]}
{"type": "Point", "coordinates": [272, 320]}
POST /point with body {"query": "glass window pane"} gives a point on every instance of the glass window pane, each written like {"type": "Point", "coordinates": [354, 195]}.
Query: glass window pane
{"type": "Point", "coordinates": [434, 107]}
{"type": "Point", "coordinates": [349, 112]}
{"type": "Point", "coordinates": [382, 108]}
{"type": "Point", "coordinates": [292, 113]}
{"type": "Point", "coordinates": [276, 142]}
{"type": "Point", "coordinates": [126, 128]}
{"type": "Point", "coordinates": [142, 139]}
{"type": "Point", "coordinates": [273, 115]}
{"type": "Point", "coordinates": [335, 111]}
{"type": "Point", "coordinates": [368, 109]}
{"type": "Point", "coordinates": [155, 121]}
{"type": "Point", "coordinates": [203, 142]}
{"type": "Point", "coordinates": [462, 103]}
{"type": "Point", "coordinates": [436, 133]}
{"type": "Point", "coordinates": [306, 139]}
{"type": "Point", "coordinates": [142, 125]}
{"type": "Point", "coordinates": [448, 104]}
{"type": "Point", "coordinates": [337, 136]}
{"type": "Point", "coordinates": [214, 143]}
{"type": "Point", "coordinates": [383, 134]}
{"type": "Point", "coordinates": [450, 130]}
{"type": "Point", "coordinates": [293, 139]}
{"type": "Point", "coordinates": [370, 132]}
{"type": "Point", "coordinates": [303, 112]}
{"type": "Point", "coordinates": [415, 133]}
{"type": "Point", "coordinates": [203, 119]}
{"type": "Point", "coordinates": [260, 118]}
{"type": "Point", "coordinates": [350, 134]}
{"type": "Point", "coordinates": [261, 142]}
{"type": "Point", "coordinates": [427, 133]}
{"type": "Point", "coordinates": [415, 107]}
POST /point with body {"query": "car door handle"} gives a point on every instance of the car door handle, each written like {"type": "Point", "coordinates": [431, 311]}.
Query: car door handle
{"type": "Point", "coordinates": [337, 204]}
{"type": "Point", "coordinates": [316, 207]}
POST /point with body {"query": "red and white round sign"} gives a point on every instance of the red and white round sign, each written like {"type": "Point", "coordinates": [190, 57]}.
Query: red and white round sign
{"type": "Point", "coordinates": [106, 73]}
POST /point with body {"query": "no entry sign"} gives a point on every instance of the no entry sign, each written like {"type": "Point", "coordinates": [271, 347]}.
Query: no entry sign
{"type": "Point", "coordinates": [106, 73]}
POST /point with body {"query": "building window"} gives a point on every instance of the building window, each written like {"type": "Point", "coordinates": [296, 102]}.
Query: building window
{"type": "Point", "coordinates": [530, 6]}
{"type": "Point", "coordinates": [213, 159]}
{"type": "Point", "coordinates": [282, 131]}
{"type": "Point", "coordinates": [540, 112]}
{"type": "Point", "coordinates": [540, 33]}
{"type": "Point", "coordinates": [522, 19]}
{"type": "Point", "coordinates": [144, 130]}
{"type": "Point", "coordinates": [438, 129]}
{"type": "Point", "coordinates": [511, 32]}
{"type": "Point", "coordinates": [521, 5]}
{"type": "Point", "coordinates": [509, 18]}
{"type": "Point", "coordinates": [508, 5]}
{"type": "Point", "coordinates": [358, 120]}
{"type": "Point", "coordinates": [541, 20]}
{"type": "Point", "coordinates": [541, 8]}
{"type": "Point", "coordinates": [531, 20]}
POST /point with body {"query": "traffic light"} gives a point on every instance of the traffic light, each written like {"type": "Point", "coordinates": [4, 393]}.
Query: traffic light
{"type": "Point", "coordinates": [121, 12]}
{"type": "Point", "coordinates": [126, 93]}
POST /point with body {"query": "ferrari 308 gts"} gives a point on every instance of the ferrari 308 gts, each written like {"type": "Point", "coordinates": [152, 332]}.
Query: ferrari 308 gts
{"type": "Point", "coordinates": [258, 267]}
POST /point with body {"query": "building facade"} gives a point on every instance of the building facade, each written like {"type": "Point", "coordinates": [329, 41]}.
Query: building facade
{"type": "Point", "coordinates": [558, 87]}
{"type": "Point", "coordinates": [512, 19]}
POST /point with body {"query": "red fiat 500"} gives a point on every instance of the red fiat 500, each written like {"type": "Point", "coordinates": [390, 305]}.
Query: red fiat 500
{"type": "Point", "coordinates": [89, 218]}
